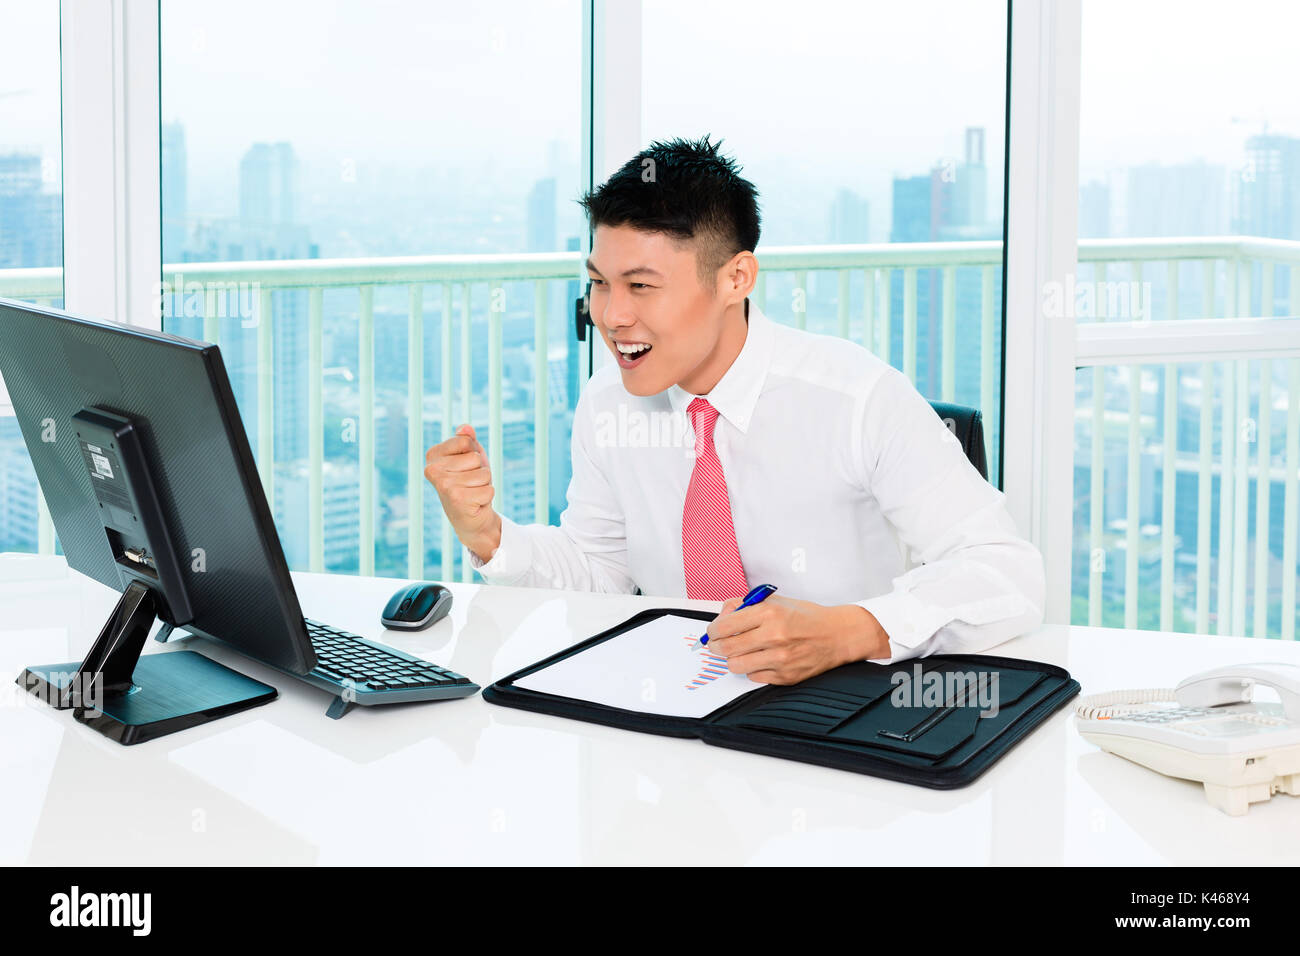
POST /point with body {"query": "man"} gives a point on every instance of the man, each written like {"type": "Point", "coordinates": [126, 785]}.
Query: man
{"type": "Point", "coordinates": [804, 460]}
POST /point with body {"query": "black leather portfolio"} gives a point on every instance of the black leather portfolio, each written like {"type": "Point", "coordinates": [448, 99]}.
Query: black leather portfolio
{"type": "Point", "coordinates": [938, 721]}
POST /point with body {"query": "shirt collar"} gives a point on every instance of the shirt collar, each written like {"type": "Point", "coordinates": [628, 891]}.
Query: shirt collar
{"type": "Point", "coordinates": [737, 391]}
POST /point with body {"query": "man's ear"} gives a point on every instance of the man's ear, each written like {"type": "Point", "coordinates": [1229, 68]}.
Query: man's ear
{"type": "Point", "coordinates": [738, 277]}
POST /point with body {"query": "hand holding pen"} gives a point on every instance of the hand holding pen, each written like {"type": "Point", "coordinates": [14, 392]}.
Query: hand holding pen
{"type": "Point", "coordinates": [760, 593]}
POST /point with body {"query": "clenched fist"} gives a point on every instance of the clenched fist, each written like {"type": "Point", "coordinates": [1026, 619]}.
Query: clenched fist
{"type": "Point", "coordinates": [458, 469]}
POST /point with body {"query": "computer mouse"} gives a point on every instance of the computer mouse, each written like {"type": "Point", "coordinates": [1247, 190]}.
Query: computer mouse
{"type": "Point", "coordinates": [416, 606]}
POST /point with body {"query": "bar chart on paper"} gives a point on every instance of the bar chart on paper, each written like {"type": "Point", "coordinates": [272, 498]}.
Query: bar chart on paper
{"type": "Point", "coordinates": [652, 669]}
{"type": "Point", "coordinates": [711, 666]}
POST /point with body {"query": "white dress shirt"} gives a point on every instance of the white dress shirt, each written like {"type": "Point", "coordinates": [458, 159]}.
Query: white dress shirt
{"type": "Point", "coordinates": [845, 488]}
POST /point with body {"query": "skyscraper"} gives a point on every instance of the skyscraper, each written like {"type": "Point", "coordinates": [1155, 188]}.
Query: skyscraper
{"type": "Point", "coordinates": [913, 209]}
{"type": "Point", "coordinates": [849, 218]}
{"type": "Point", "coordinates": [1267, 199]}
{"type": "Point", "coordinates": [341, 522]}
{"type": "Point", "coordinates": [18, 491]}
{"type": "Point", "coordinates": [31, 217]}
{"type": "Point", "coordinates": [1094, 210]}
{"type": "Point", "coordinates": [268, 180]}
{"type": "Point", "coordinates": [950, 203]}
{"type": "Point", "coordinates": [541, 216]}
{"type": "Point", "coordinates": [268, 184]}
{"type": "Point", "coordinates": [965, 192]}
{"type": "Point", "coordinates": [175, 187]}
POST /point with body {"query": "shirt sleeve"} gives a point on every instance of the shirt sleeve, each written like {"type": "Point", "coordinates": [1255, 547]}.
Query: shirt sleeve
{"type": "Point", "coordinates": [977, 582]}
{"type": "Point", "coordinates": [588, 551]}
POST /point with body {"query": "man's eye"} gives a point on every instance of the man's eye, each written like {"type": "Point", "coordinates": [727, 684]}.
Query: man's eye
{"type": "Point", "coordinates": [596, 282]}
{"type": "Point", "coordinates": [639, 285]}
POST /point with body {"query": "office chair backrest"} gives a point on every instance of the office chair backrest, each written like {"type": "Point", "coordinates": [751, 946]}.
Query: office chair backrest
{"type": "Point", "coordinates": [968, 425]}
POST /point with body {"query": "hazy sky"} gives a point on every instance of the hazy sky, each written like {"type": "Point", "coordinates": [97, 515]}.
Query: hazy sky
{"type": "Point", "coordinates": [29, 75]}
{"type": "Point", "coordinates": [818, 92]}
{"type": "Point", "coordinates": [1164, 81]}
{"type": "Point", "coordinates": [818, 95]}
{"type": "Point", "coordinates": [429, 83]}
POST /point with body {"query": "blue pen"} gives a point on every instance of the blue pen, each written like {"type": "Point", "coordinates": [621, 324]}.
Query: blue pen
{"type": "Point", "coordinates": [760, 593]}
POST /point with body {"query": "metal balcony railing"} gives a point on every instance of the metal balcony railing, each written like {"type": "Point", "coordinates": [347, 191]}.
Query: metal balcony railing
{"type": "Point", "coordinates": [872, 313]}
{"type": "Point", "coordinates": [488, 273]}
{"type": "Point", "coordinates": [1237, 323]}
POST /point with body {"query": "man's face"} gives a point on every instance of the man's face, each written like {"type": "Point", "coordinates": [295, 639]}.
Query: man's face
{"type": "Point", "coordinates": [646, 290]}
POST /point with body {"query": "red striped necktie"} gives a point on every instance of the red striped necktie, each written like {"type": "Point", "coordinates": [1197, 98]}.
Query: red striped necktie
{"type": "Point", "coordinates": [709, 552]}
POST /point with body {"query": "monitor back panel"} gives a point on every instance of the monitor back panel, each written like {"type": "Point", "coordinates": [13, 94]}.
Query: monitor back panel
{"type": "Point", "coordinates": [178, 393]}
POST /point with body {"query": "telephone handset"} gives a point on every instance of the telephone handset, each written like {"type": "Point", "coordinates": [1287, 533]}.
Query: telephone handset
{"type": "Point", "coordinates": [1209, 728]}
{"type": "Point", "coordinates": [1233, 685]}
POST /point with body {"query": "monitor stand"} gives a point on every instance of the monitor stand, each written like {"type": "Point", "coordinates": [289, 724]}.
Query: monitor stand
{"type": "Point", "coordinates": [130, 697]}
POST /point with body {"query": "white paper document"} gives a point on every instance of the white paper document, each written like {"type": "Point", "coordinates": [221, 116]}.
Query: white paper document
{"type": "Point", "coordinates": [651, 669]}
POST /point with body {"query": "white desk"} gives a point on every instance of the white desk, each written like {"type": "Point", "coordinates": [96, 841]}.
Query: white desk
{"type": "Point", "coordinates": [469, 782]}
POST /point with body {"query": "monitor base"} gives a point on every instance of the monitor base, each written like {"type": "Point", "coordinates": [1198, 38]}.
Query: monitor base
{"type": "Point", "coordinates": [169, 691]}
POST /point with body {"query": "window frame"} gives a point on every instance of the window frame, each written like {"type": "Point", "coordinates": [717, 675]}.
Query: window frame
{"type": "Point", "coordinates": [1041, 247]}
{"type": "Point", "coordinates": [112, 235]}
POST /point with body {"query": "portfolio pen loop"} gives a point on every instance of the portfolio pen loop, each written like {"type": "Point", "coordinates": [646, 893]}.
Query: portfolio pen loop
{"type": "Point", "coordinates": [930, 720]}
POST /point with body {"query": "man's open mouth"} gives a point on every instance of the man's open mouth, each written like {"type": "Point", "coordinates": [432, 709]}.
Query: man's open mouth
{"type": "Point", "coordinates": [631, 353]}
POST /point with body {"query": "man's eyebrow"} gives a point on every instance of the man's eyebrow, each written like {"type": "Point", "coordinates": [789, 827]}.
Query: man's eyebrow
{"type": "Point", "coordinates": [639, 270]}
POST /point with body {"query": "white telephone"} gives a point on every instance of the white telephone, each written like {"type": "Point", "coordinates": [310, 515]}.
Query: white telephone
{"type": "Point", "coordinates": [1208, 729]}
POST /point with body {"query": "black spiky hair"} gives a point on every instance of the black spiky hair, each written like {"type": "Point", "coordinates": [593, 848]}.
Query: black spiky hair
{"type": "Point", "coordinates": [687, 190]}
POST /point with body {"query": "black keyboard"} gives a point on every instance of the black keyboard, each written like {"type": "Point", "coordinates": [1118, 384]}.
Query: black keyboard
{"type": "Point", "coordinates": [364, 672]}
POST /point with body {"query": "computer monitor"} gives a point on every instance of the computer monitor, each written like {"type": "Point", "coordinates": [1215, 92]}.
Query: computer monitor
{"type": "Point", "coordinates": [147, 471]}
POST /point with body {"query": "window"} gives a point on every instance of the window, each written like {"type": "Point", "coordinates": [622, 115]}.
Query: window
{"type": "Point", "coordinates": [376, 222]}
{"type": "Point", "coordinates": [31, 230]}
{"type": "Point", "coordinates": [1186, 416]}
